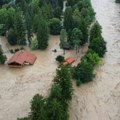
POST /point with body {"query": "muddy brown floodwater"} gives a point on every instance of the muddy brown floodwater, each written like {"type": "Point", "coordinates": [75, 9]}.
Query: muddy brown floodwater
{"type": "Point", "coordinates": [19, 85]}
{"type": "Point", "coordinates": [100, 99]}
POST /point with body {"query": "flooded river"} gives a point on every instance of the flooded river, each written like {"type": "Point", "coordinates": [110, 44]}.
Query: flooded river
{"type": "Point", "coordinates": [100, 100]}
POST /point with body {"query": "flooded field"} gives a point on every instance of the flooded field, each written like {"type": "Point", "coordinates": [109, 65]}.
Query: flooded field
{"type": "Point", "coordinates": [19, 85]}
{"type": "Point", "coordinates": [100, 100]}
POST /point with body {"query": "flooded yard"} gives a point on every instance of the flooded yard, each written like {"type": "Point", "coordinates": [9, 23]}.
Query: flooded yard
{"type": "Point", "coordinates": [97, 100]}
{"type": "Point", "coordinates": [19, 85]}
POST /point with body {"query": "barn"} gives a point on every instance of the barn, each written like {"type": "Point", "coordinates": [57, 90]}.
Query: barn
{"type": "Point", "coordinates": [22, 58]}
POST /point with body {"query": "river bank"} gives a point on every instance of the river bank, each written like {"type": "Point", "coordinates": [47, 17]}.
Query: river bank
{"type": "Point", "coordinates": [99, 100]}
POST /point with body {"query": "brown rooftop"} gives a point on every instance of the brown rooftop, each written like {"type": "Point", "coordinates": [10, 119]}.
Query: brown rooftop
{"type": "Point", "coordinates": [21, 57]}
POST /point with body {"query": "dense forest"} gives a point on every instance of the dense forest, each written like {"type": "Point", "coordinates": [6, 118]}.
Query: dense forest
{"type": "Point", "coordinates": [43, 17]}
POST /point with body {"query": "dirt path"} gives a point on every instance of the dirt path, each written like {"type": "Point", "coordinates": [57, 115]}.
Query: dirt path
{"type": "Point", "coordinates": [100, 100]}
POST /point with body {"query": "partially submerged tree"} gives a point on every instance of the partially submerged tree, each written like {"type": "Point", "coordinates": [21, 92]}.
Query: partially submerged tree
{"type": "Point", "coordinates": [84, 72]}
{"type": "Point", "coordinates": [60, 58]}
{"type": "Point", "coordinates": [80, 23]}
{"type": "Point", "coordinates": [42, 33]}
{"type": "Point", "coordinates": [63, 78]}
{"type": "Point", "coordinates": [55, 26]}
{"type": "Point", "coordinates": [11, 37]}
{"type": "Point", "coordinates": [55, 92]}
{"type": "Point", "coordinates": [98, 45]}
{"type": "Point", "coordinates": [19, 28]}
{"type": "Point", "coordinates": [56, 110]}
{"type": "Point", "coordinates": [95, 31]}
{"type": "Point", "coordinates": [92, 57]}
{"type": "Point", "coordinates": [3, 58]}
{"type": "Point", "coordinates": [38, 108]}
{"type": "Point", "coordinates": [76, 38]}
{"type": "Point", "coordinates": [68, 20]}
{"type": "Point", "coordinates": [63, 39]}
{"type": "Point", "coordinates": [34, 43]}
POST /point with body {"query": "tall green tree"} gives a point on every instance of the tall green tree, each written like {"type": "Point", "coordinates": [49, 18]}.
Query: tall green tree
{"type": "Point", "coordinates": [42, 33]}
{"type": "Point", "coordinates": [98, 45]}
{"type": "Point", "coordinates": [35, 23]}
{"type": "Point", "coordinates": [76, 38]}
{"type": "Point", "coordinates": [7, 17]}
{"type": "Point", "coordinates": [56, 110]}
{"type": "Point", "coordinates": [28, 25]}
{"type": "Point", "coordinates": [63, 39]}
{"type": "Point", "coordinates": [63, 78]}
{"type": "Point", "coordinates": [80, 23]}
{"type": "Point", "coordinates": [84, 72]}
{"type": "Point", "coordinates": [68, 20]}
{"type": "Point", "coordinates": [57, 12]}
{"type": "Point", "coordinates": [19, 28]}
{"type": "Point", "coordinates": [95, 31]}
{"type": "Point", "coordinates": [55, 92]}
{"type": "Point", "coordinates": [47, 11]}
{"type": "Point", "coordinates": [38, 108]}
{"type": "Point", "coordinates": [55, 26]}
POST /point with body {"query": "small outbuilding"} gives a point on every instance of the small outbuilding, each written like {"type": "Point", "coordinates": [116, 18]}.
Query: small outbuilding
{"type": "Point", "coordinates": [69, 60]}
{"type": "Point", "coordinates": [22, 58]}
{"type": "Point", "coordinates": [67, 46]}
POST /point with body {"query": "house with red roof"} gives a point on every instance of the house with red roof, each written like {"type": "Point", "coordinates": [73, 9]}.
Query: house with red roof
{"type": "Point", "coordinates": [22, 58]}
{"type": "Point", "coordinates": [69, 60]}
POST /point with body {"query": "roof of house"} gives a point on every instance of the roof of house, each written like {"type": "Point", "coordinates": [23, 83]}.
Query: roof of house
{"type": "Point", "coordinates": [69, 60]}
{"type": "Point", "coordinates": [67, 46]}
{"type": "Point", "coordinates": [21, 57]}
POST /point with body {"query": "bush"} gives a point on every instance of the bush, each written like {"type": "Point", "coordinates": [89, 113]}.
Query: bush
{"type": "Point", "coordinates": [92, 57]}
{"type": "Point", "coordinates": [55, 26]}
{"type": "Point", "coordinates": [60, 59]}
{"type": "Point", "coordinates": [78, 82]}
{"type": "Point", "coordinates": [84, 72]}
{"type": "Point", "coordinates": [34, 44]}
